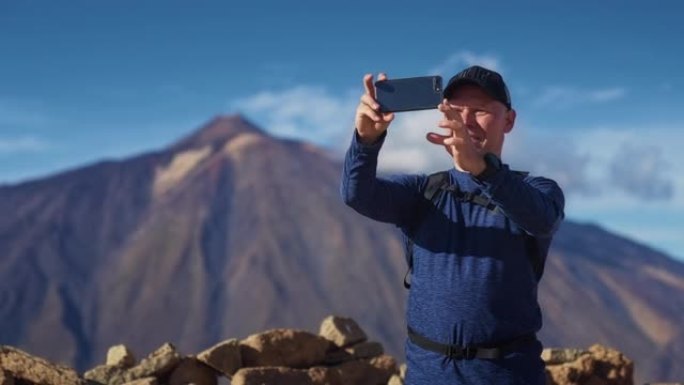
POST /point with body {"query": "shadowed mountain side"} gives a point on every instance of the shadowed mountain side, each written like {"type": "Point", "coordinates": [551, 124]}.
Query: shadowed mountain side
{"type": "Point", "coordinates": [231, 231]}
{"type": "Point", "coordinates": [601, 288]}
{"type": "Point", "coordinates": [227, 233]}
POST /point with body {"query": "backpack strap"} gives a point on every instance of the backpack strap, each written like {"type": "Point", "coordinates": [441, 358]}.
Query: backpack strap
{"type": "Point", "coordinates": [436, 183]}
{"type": "Point", "coordinates": [439, 182]}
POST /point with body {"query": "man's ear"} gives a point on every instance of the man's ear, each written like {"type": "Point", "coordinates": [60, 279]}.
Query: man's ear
{"type": "Point", "coordinates": [510, 120]}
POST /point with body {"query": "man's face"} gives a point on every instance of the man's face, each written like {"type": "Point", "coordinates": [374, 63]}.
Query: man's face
{"type": "Point", "coordinates": [486, 119]}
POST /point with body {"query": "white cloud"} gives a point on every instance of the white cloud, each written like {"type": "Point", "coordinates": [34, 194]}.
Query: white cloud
{"type": "Point", "coordinates": [305, 112]}
{"type": "Point", "coordinates": [642, 170]}
{"type": "Point", "coordinates": [462, 59]}
{"type": "Point", "coordinates": [566, 97]}
{"type": "Point", "coordinates": [22, 144]}
{"type": "Point", "coordinates": [407, 150]}
{"type": "Point", "coordinates": [552, 155]}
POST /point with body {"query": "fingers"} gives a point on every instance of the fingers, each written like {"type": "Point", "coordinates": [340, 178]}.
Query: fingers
{"type": "Point", "coordinates": [443, 106]}
{"type": "Point", "coordinates": [456, 127]}
{"type": "Point", "coordinates": [370, 102]}
{"type": "Point", "coordinates": [368, 85]}
{"type": "Point", "coordinates": [441, 141]}
{"type": "Point", "coordinates": [436, 138]}
{"type": "Point", "coordinates": [366, 110]}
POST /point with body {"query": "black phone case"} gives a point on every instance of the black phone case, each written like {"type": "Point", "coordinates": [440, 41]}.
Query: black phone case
{"type": "Point", "coordinates": [409, 94]}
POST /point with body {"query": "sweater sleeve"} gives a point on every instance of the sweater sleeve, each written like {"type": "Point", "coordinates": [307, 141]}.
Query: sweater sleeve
{"type": "Point", "coordinates": [392, 199]}
{"type": "Point", "coordinates": [536, 204]}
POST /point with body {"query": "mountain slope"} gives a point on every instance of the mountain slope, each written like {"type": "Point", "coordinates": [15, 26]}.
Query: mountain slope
{"type": "Point", "coordinates": [231, 231]}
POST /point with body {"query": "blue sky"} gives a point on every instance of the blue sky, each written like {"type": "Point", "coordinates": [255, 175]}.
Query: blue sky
{"type": "Point", "coordinates": [598, 86]}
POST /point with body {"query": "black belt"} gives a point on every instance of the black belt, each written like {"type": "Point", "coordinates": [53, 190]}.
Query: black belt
{"type": "Point", "coordinates": [457, 352]}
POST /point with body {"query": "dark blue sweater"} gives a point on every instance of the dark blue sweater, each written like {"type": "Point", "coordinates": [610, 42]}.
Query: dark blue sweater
{"type": "Point", "coordinates": [472, 282]}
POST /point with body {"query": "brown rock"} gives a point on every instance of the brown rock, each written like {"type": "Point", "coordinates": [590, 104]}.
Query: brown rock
{"type": "Point", "coordinates": [612, 365]}
{"type": "Point", "coordinates": [365, 350]}
{"type": "Point", "coordinates": [192, 371]}
{"type": "Point", "coordinates": [22, 366]}
{"type": "Point", "coordinates": [372, 371]}
{"type": "Point", "coordinates": [555, 356]}
{"type": "Point", "coordinates": [319, 375]}
{"type": "Point", "coordinates": [157, 364]}
{"type": "Point", "coordinates": [342, 331]}
{"type": "Point", "coordinates": [576, 372]}
{"type": "Point", "coordinates": [597, 366]}
{"type": "Point", "coordinates": [395, 380]}
{"type": "Point", "coordinates": [224, 357]}
{"type": "Point", "coordinates": [121, 356]}
{"type": "Point", "coordinates": [144, 381]}
{"type": "Point", "coordinates": [106, 374]}
{"type": "Point", "coordinates": [337, 356]}
{"type": "Point", "coordinates": [6, 378]}
{"type": "Point", "coordinates": [271, 376]}
{"type": "Point", "coordinates": [284, 347]}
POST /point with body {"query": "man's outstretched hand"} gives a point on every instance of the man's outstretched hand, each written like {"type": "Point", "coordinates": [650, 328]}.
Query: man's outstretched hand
{"type": "Point", "coordinates": [457, 142]}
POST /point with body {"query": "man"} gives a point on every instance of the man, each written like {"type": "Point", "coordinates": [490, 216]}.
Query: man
{"type": "Point", "coordinates": [478, 240]}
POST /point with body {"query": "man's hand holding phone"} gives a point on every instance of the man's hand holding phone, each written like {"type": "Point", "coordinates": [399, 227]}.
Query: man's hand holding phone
{"type": "Point", "coordinates": [370, 121]}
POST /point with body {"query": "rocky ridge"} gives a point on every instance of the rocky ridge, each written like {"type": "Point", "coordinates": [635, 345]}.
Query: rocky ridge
{"type": "Point", "coordinates": [340, 353]}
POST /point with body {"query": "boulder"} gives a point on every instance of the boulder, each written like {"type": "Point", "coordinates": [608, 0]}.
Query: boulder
{"type": "Point", "coordinates": [157, 364]}
{"type": "Point", "coordinates": [365, 349]}
{"type": "Point", "coordinates": [337, 356]}
{"type": "Point", "coordinates": [555, 356]}
{"type": "Point", "coordinates": [596, 366]}
{"type": "Point", "coordinates": [271, 375]}
{"type": "Point", "coordinates": [377, 370]}
{"type": "Point", "coordinates": [6, 378]}
{"type": "Point", "coordinates": [144, 381]}
{"type": "Point", "coordinates": [284, 347]}
{"type": "Point", "coordinates": [342, 331]}
{"type": "Point", "coordinates": [192, 371]}
{"type": "Point", "coordinates": [395, 380]}
{"type": "Point", "coordinates": [224, 357]}
{"type": "Point", "coordinates": [121, 356]}
{"type": "Point", "coordinates": [21, 366]}
{"type": "Point", "coordinates": [373, 371]}
{"type": "Point", "coordinates": [106, 374]}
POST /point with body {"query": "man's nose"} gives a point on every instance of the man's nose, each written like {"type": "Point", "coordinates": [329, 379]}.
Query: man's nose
{"type": "Point", "coordinates": [468, 117]}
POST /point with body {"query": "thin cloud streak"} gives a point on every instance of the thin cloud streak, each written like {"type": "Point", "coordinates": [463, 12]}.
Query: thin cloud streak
{"type": "Point", "coordinates": [27, 144]}
{"type": "Point", "coordinates": [566, 97]}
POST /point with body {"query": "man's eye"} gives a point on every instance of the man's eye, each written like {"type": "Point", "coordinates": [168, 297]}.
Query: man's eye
{"type": "Point", "coordinates": [481, 113]}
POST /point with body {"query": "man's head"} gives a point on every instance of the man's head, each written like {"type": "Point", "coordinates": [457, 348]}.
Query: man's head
{"type": "Point", "coordinates": [483, 102]}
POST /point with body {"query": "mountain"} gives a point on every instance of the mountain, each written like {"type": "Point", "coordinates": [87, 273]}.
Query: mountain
{"type": "Point", "coordinates": [231, 231]}
{"type": "Point", "coordinates": [602, 288]}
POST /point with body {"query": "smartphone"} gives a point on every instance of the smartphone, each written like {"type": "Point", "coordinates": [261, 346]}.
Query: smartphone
{"type": "Point", "coordinates": [409, 94]}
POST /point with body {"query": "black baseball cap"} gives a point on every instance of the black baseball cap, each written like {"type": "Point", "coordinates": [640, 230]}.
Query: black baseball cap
{"type": "Point", "coordinates": [488, 80]}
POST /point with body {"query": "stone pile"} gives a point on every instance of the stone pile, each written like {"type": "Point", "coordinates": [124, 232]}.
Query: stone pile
{"type": "Point", "coordinates": [596, 366]}
{"type": "Point", "coordinates": [339, 354]}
